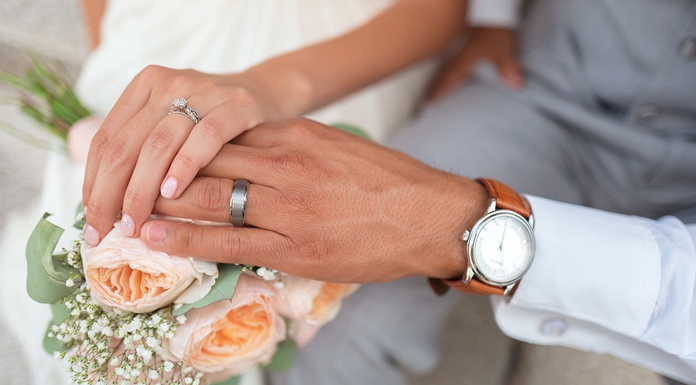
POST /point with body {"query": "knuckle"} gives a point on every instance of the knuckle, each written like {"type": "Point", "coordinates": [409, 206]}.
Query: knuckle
{"type": "Point", "coordinates": [310, 250]}
{"type": "Point", "coordinates": [150, 73]}
{"type": "Point", "coordinates": [186, 161]}
{"type": "Point", "coordinates": [99, 143]}
{"type": "Point", "coordinates": [116, 155]}
{"type": "Point", "coordinates": [241, 95]}
{"type": "Point", "coordinates": [178, 84]}
{"type": "Point", "coordinates": [157, 142]}
{"type": "Point", "coordinates": [210, 194]}
{"type": "Point", "coordinates": [231, 243]}
{"type": "Point", "coordinates": [293, 161]}
{"type": "Point", "coordinates": [132, 198]}
{"type": "Point", "coordinates": [302, 128]}
{"type": "Point", "coordinates": [212, 130]}
{"type": "Point", "coordinates": [96, 212]}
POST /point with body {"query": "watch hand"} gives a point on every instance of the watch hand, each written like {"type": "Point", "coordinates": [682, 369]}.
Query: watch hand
{"type": "Point", "coordinates": [502, 239]}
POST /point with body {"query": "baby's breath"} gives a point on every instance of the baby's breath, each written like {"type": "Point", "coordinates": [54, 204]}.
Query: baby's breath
{"type": "Point", "coordinates": [107, 348]}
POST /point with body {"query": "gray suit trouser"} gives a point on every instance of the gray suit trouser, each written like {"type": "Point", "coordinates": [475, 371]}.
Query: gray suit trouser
{"type": "Point", "coordinates": [607, 119]}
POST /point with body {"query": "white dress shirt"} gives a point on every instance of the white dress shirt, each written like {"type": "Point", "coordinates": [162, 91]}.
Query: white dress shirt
{"type": "Point", "coordinates": [494, 13]}
{"type": "Point", "coordinates": [609, 283]}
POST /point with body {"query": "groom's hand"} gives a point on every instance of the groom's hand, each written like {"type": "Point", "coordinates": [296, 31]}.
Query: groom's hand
{"type": "Point", "coordinates": [324, 204]}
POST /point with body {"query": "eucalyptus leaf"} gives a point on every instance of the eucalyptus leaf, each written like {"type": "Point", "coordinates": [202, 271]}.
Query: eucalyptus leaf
{"type": "Point", "coordinates": [79, 213]}
{"type": "Point", "coordinates": [282, 359]}
{"type": "Point", "coordinates": [223, 289]}
{"type": "Point", "coordinates": [60, 314]}
{"type": "Point", "coordinates": [46, 274]}
{"type": "Point", "coordinates": [352, 129]}
{"type": "Point", "coordinates": [230, 381]}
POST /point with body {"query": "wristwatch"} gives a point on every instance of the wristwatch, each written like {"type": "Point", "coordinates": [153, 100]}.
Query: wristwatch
{"type": "Point", "coordinates": [500, 245]}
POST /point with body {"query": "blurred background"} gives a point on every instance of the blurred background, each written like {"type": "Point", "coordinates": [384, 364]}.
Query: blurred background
{"type": "Point", "coordinates": [474, 350]}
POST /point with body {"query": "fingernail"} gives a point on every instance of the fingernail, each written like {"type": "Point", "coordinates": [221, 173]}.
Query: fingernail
{"type": "Point", "coordinates": [84, 210]}
{"type": "Point", "coordinates": [127, 225]}
{"type": "Point", "coordinates": [155, 233]}
{"type": "Point", "coordinates": [91, 235]}
{"type": "Point", "coordinates": [169, 187]}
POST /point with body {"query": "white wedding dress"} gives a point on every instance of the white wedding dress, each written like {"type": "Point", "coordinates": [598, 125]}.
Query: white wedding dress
{"type": "Point", "coordinates": [215, 36]}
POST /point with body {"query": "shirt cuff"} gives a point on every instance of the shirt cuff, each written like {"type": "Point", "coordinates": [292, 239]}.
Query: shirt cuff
{"type": "Point", "coordinates": [494, 13]}
{"type": "Point", "coordinates": [593, 266]}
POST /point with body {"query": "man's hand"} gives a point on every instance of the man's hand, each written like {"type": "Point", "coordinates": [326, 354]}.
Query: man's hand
{"type": "Point", "coordinates": [324, 204]}
{"type": "Point", "coordinates": [497, 45]}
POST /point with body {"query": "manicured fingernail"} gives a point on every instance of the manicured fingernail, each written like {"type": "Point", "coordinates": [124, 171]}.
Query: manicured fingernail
{"type": "Point", "coordinates": [169, 187]}
{"type": "Point", "coordinates": [91, 235]}
{"type": "Point", "coordinates": [155, 233]}
{"type": "Point", "coordinates": [127, 225]}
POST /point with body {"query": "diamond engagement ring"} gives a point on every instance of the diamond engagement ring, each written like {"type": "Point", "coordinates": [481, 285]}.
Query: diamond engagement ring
{"type": "Point", "coordinates": [238, 202]}
{"type": "Point", "coordinates": [180, 106]}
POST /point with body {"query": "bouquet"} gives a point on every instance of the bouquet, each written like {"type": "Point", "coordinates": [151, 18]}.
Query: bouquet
{"type": "Point", "coordinates": [124, 314]}
{"type": "Point", "coordinates": [48, 99]}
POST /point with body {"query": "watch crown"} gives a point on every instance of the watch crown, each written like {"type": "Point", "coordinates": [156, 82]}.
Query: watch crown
{"type": "Point", "coordinates": [465, 236]}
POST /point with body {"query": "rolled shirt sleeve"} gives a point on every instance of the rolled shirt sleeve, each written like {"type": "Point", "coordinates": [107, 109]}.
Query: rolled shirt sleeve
{"type": "Point", "coordinates": [494, 13]}
{"type": "Point", "coordinates": [609, 283]}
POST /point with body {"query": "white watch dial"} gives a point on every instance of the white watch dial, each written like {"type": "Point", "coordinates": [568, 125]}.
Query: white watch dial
{"type": "Point", "coordinates": [503, 248]}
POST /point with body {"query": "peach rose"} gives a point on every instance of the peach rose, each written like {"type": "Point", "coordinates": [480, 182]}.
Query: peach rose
{"type": "Point", "coordinates": [312, 302]}
{"type": "Point", "coordinates": [229, 337]}
{"type": "Point", "coordinates": [124, 274]}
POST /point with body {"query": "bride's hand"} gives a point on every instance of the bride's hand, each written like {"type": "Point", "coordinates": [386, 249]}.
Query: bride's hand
{"type": "Point", "coordinates": [140, 151]}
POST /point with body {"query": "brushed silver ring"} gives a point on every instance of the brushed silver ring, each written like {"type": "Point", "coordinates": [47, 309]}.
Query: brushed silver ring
{"type": "Point", "coordinates": [180, 106]}
{"type": "Point", "coordinates": [238, 202]}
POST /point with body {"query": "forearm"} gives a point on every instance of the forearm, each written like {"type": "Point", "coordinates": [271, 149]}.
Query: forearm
{"type": "Point", "coordinates": [405, 33]}
{"type": "Point", "coordinates": [93, 12]}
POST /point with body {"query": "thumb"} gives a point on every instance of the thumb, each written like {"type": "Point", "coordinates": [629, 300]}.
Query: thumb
{"type": "Point", "coordinates": [449, 78]}
{"type": "Point", "coordinates": [511, 73]}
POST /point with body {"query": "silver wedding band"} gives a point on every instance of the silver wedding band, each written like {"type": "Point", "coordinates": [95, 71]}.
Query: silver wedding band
{"type": "Point", "coordinates": [180, 106]}
{"type": "Point", "coordinates": [238, 202]}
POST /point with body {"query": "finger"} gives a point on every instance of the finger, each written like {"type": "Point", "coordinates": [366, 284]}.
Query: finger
{"type": "Point", "coordinates": [156, 155]}
{"type": "Point", "coordinates": [114, 172]}
{"type": "Point", "coordinates": [241, 162]}
{"type": "Point", "coordinates": [223, 244]}
{"type": "Point", "coordinates": [133, 100]}
{"type": "Point", "coordinates": [511, 73]}
{"type": "Point", "coordinates": [209, 199]}
{"type": "Point", "coordinates": [449, 79]}
{"type": "Point", "coordinates": [215, 129]}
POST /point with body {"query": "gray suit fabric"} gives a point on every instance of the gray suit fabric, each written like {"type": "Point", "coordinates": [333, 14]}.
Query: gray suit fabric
{"type": "Point", "coordinates": [607, 119]}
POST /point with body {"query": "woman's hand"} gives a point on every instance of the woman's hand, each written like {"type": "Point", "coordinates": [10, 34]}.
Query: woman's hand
{"type": "Point", "coordinates": [497, 45]}
{"type": "Point", "coordinates": [324, 204]}
{"type": "Point", "coordinates": [140, 150]}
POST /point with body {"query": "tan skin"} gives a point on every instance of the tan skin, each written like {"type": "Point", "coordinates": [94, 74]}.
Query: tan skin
{"type": "Point", "coordinates": [496, 45]}
{"type": "Point", "coordinates": [397, 217]}
{"type": "Point", "coordinates": [326, 205]}
{"type": "Point", "coordinates": [140, 150]}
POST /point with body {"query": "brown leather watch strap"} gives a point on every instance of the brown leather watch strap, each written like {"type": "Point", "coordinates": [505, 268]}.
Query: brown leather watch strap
{"type": "Point", "coordinates": [441, 286]}
{"type": "Point", "coordinates": [507, 199]}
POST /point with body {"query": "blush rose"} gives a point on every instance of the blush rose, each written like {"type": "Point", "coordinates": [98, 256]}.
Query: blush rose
{"type": "Point", "coordinates": [124, 274]}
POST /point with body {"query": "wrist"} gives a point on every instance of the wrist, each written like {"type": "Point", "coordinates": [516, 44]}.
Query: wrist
{"type": "Point", "coordinates": [463, 202]}
{"type": "Point", "coordinates": [286, 93]}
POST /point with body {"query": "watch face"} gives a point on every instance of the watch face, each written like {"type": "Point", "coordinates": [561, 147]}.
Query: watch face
{"type": "Point", "coordinates": [502, 248]}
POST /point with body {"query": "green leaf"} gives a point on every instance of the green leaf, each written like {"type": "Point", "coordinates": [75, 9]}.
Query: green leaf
{"type": "Point", "coordinates": [79, 213]}
{"type": "Point", "coordinates": [282, 359]}
{"type": "Point", "coordinates": [229, 381]}
{"type": "Point", "coordinates": [223, 289]}
{"type": "Point", "coordinates": [352, 129]}
{"type": "Point", "coordinates": [46, 273]}
{"type": "Point", "coordinates": [60, 314]}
